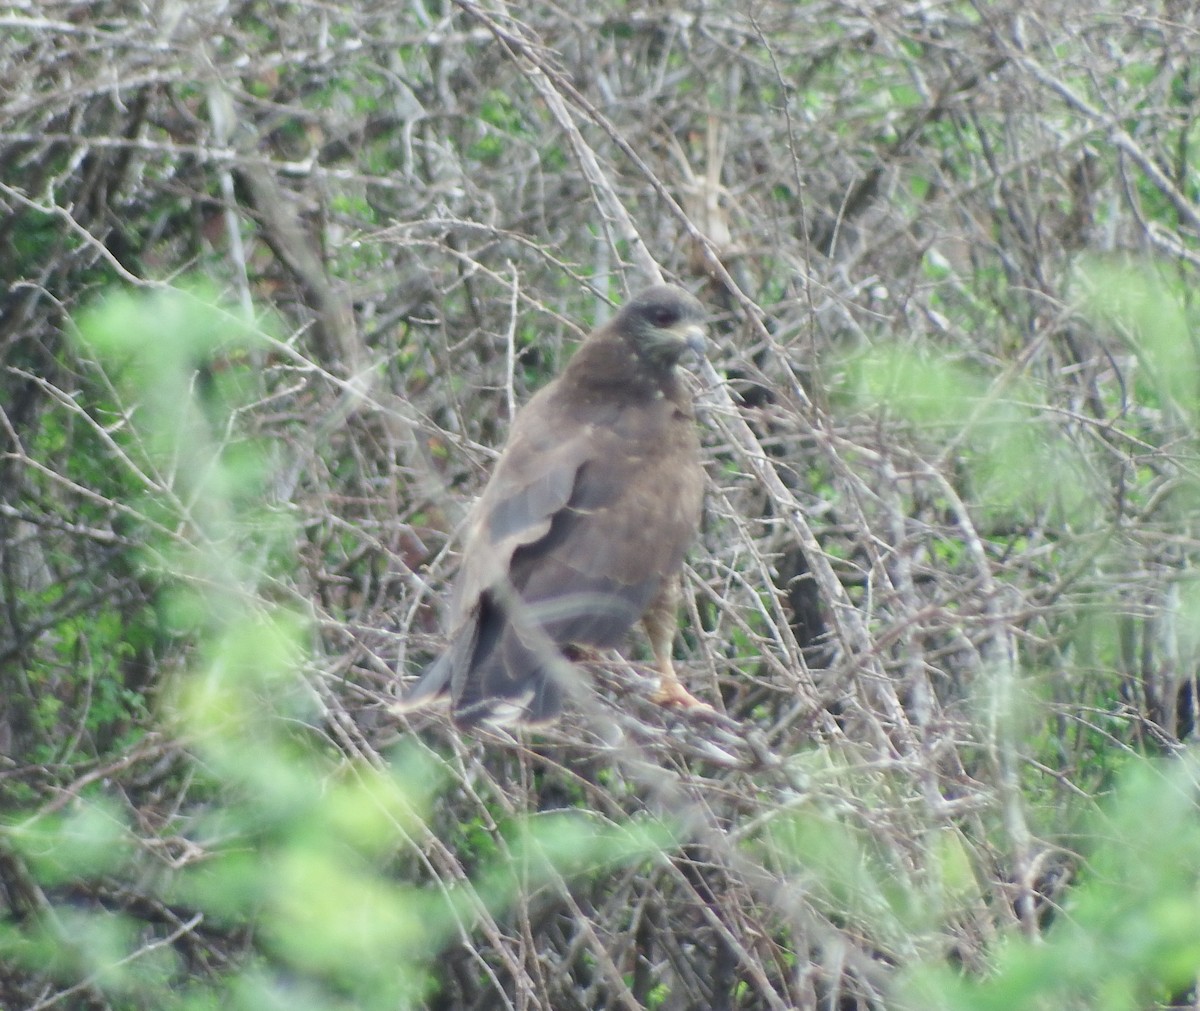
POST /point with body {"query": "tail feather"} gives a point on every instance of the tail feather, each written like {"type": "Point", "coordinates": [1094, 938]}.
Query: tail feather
{"type": "Point", "coordinates": [489, 675]}
{"type": "Point", "coordinates": [508, 683]}
{"type": "Point", "coordinates": [437, 682]}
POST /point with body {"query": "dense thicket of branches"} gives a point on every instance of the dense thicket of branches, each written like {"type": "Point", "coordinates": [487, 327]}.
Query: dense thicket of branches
{"type": "Point", "coordinates": [943, 581]}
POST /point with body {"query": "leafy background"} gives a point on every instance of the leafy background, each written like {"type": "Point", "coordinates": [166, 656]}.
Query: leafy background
{"type": "Point", "coordinates": [276, 276]}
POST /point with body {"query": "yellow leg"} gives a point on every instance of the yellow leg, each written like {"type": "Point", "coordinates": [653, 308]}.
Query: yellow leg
{"type": "Point", "coordinates": [659, 622]}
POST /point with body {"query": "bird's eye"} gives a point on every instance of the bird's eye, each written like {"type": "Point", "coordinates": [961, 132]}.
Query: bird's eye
{"type": "Point", "coordinates": [662, 316]}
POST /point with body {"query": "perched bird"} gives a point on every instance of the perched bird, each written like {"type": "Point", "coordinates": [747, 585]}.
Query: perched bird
{"type": "Point", "coordinates": [583, 526]}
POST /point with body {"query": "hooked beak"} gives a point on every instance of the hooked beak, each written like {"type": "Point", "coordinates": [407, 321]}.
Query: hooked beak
{"type": "Point", "coordinates": [668, 345]}
{"type": "Point", "coordinates": [694, 339]}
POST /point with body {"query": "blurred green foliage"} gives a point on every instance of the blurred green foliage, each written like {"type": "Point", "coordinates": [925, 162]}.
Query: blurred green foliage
{"type": "Point", "coordinates": [1155, 314]}
{"type": "Point", "coordinates": [996, 429]}
{"type": "Point", "coordinates": [317, 861]}
{"type": "Point", "coordinates": [314, 859]}
{"type": "Point", "coordinates": [1128, 935]}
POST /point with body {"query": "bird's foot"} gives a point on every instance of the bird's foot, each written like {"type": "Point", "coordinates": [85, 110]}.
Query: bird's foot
{"type": "Point", "coordinates": [672, 693]}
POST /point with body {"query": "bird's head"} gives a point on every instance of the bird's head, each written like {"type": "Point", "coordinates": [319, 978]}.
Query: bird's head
{"type": "Point", "coordinates": [662, 323]}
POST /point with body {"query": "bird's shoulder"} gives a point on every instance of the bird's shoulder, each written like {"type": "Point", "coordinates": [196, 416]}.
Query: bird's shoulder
{"type": "Point", "coordinates": [563, 434]}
